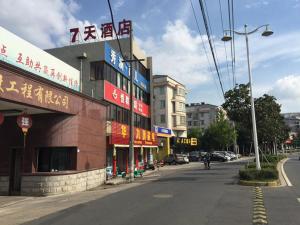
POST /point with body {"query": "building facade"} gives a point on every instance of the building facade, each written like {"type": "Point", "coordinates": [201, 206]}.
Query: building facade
{"type": "Point", "coordinates": [292, 120]}
{"type": "Point", "coordinates": [105, 76]}
{"type": "Point", "coordinates": [62, 144]}
{"type": "Point", "coordinates": [201, 115]}
{"type": "Point", "coordinates": [169, 104]}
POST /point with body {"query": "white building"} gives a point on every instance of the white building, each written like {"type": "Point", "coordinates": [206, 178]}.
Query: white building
{"type": "Point", "coordinates": [169, 104]}
{"type": "Point", "coordinates": [201, 115]}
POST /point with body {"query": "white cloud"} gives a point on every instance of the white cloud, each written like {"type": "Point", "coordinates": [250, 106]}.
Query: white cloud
{"type": "Point", "coordinates": [287, 91]}
{"type": "Point", "coordinates": [178, 53]}
{"type": "Point", "coordinates": [44, 23]}
{"type": "Point", "coordinates": [257, 4]}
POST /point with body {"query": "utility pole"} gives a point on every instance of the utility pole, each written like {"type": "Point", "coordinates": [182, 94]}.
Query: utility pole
{"type": "Point", "coordinates": [131, 124]}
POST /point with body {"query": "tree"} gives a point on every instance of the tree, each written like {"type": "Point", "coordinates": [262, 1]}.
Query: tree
{"type": "Point", "coordinates": [195, 133]}
{"type": "Point", "coordinates": [270, 124]}
{"type": "Point", "coordinates": [238, 107]}
{"type": "Point", "coordinates": [271, 128]}
{"type": "Point", "coordinates": [219, 135]}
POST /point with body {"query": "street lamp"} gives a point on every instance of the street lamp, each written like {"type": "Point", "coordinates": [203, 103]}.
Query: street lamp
{"type": "Point", "coordinates": [226, 37]}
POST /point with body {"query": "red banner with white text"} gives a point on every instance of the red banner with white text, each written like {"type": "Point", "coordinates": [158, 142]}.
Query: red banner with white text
{"type": "Point", "coordinates": [122, 99]}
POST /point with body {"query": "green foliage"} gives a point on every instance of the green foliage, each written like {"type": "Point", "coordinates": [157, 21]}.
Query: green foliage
{"type": "Point", "coordinates": [219, 134]}
{"type": "Point", "coordinates": [265, 174]}
{"type": "Point", "coordinates": [270, 124]}
{"type": "Point", "coordinates": [262, 165]}
{"type": "Point", "coordinates": [195, 133]}
{"type": "Point", "coordinates": [271, 158]}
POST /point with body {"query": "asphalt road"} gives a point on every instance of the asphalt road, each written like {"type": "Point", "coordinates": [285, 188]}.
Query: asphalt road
{"type": "Point", "coordinates": [185, 197]}
{"type": "Point", "coordinates": [282, 204]}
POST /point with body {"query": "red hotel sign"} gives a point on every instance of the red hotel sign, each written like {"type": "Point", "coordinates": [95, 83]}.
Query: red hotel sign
{"type": "Point", "coordinates": [121, 98]}
{"type": "Point", "coordinates": [120, 135]}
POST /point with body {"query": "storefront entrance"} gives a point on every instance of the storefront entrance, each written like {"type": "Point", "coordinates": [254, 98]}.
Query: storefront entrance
{"type": "Point", "coordinates": [16, 159]}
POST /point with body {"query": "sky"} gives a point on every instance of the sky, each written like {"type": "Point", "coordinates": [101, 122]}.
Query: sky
{"type": "Point", "coordinates": [167, 31]}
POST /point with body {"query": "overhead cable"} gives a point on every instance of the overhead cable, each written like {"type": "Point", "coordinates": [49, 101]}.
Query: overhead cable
{"type": "Point", "coordinates": [210, 43]}
{"type": "Point", "coordinates": [203, 45]}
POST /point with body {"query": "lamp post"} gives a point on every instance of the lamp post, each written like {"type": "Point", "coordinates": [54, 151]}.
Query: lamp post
{"type": "Point", "coordinates": [246, 33]}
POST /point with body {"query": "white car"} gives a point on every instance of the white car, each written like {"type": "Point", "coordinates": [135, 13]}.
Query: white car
{"type": "Point", "coordinates": [186, 159]}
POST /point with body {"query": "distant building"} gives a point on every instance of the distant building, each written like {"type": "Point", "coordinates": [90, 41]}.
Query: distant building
{"type": "Point", "coordinates": [292, 120]}
{"type": "Point", "coordinates": [201, 115]}
{"type": "Point", "coordinates": [169, 104]}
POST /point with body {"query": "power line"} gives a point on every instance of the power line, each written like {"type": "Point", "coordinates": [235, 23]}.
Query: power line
{"type": "Point", "coordinates": [203, 45]}
{"type": "Point", "coordinates": [113, 24]}
{"type": "Point", "coordinates": [210, 43]}
{"type": "Point", "coordinates": [222, 23]}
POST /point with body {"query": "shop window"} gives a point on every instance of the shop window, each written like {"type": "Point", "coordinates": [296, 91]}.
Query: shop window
{"type": "Point", "coordinates": [119, 80]}
{"type": "Point", "coordinates": [56, 159]}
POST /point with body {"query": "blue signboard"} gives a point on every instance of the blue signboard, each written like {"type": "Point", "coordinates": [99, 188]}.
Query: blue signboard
{"type": "Point", "coordinates": [163, 130]}
{"type": "Point", "coordinates": [115, 59]}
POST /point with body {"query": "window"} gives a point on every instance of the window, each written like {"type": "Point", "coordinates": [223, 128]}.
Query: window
{"type": "Point", "coordinates": [182, 120]}
{"type": "Point", "coordinates": [189, 115]}
{"type": "Point", "coordinates": [174, 93]}
{"type": "Point", "coordinates": [195, 123]}
{"type": "Point", "coordinates": [195, 116]}
{"type": "Point", "coordinates": [202, 114]}
{"type": "Point", "coordinates": [125, 84]}
{"type": "Point", "coordinates": [174, 121]}
{"type": "Point", "coordinates": [202, 122]}
{"type": "Point", "coordinates": [163, 118]}
{"type": "Point", "coordinates": [162, 104]}
{"type": "Point", "coordinates": [96, 70]}
{"type": "Point", "coordinates": [189, 123]}
{"type": "Point", "coordinates": [173, 107]}
{"type": "Point", "coordinates": [56, 159]}
{"type": "Point", "coordinates": [119, 80]}
{"type": "Point", "coordinates": [161, 90]}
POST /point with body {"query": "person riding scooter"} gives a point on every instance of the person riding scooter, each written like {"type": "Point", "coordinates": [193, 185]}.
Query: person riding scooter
{"type": "Point", "coordinates": [206, 161]}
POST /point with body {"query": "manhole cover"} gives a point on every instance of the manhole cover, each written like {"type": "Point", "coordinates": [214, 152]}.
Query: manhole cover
{"type": "Point", "coordinates": [163, 196]}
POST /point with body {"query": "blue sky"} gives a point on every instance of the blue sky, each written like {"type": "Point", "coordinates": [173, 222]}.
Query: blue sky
{"type": "Point", "coordinates": [166, 30]}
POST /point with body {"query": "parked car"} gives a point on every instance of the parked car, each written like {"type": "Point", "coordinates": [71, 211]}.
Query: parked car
{"type": "Point", "coordinates": [186, 159]}
{"type": "Point", "coordinates": [219, 157]}
{"type": "Point", "coordinates": [174, 159]}
{"type": "Point", "coordinates": [194, 156]}
{"type": "Point", "coordinates": [232, 155]}
{"type": "Point", "coordinates": [225, 154]}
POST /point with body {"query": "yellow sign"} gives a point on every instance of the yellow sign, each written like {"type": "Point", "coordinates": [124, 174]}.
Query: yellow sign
{"type": "Point", "coordinates": [187, 141]}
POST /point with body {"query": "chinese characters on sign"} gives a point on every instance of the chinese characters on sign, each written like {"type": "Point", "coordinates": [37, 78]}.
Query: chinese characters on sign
{"type": "Point", "coordinates": [120, 135]}
{"type": "Point", "coordinates": [188, 141]}
{"type": "Point", "coordinates": [24, 121]}
{"type": "Point", "coordinates": [114, 58]}
{"type": "Point", "coordinates": [22, 54]}
{"type": "Point", "coordinates": [33, 92]}
{"type": "Point", "coordinates": [90, 32]}
{"type": "Point", "coordinates": [121, 98]}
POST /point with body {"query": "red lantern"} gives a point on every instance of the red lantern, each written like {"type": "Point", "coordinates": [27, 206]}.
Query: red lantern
{"type": "Point", "coordinates": [24, 121]}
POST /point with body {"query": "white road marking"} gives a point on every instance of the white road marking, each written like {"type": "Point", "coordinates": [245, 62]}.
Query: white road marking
{"type": "Point", "coordinates": [285, 176]}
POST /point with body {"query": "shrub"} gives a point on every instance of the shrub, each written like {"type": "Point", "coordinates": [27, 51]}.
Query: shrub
{"type": "Point", "coordinates": [262, 165]}
{"type": "Point", "coordinates": [260, 175]}
{"type": "Point", "coordinates": [271, 158]}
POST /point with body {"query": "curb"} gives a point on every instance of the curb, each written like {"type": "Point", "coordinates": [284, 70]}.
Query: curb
{"type": "Point", "coordinates": [283, 174]}
{"type": "Point", "coordinates": [274, 183]}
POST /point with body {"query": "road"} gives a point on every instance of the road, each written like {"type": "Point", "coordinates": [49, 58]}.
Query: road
{"type": "Point", "coordinates": [282, 204]}
{"type": "Point", "coordinates": [185, 197]}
